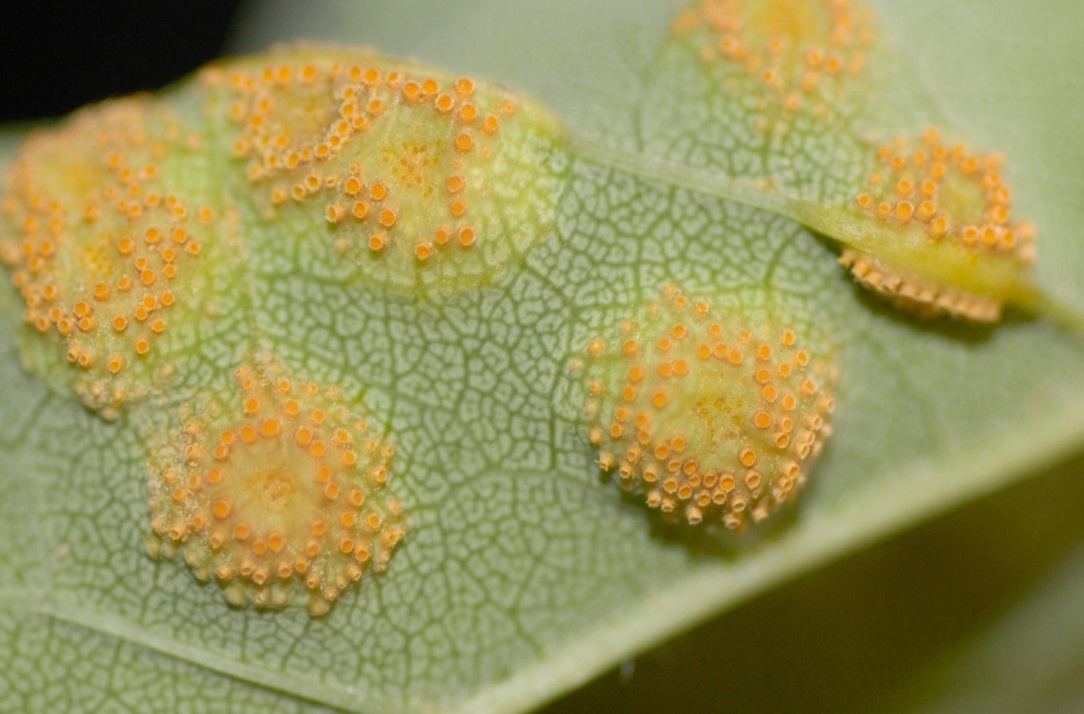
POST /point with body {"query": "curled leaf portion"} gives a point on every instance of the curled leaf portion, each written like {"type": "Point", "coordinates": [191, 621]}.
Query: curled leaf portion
{"type": "Point", "coordinates": [421, 178]}
{"type": "Point", "coordinates": [713, 419]}
{"type": "Point", "coordinates": [961, 206]}
{"type": "Point", "coordinates": [107, 246]}
{"type": "Point", "coordinates": [281, 495]}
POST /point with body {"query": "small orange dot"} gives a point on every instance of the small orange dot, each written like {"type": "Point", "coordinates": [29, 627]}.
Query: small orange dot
{"type": "Point", "coordinates": [464, 87]}
{"type": "Point", "coordinates": [412, 92]}
{"type": "Point", "coordinates": [353, 186]}
{"type": "Point", "coordinates": [335, 212]}
{"type": "Point", "coordinates": [269, 428]}
{"type": "Point", "coordinates": [748, 457]}
{"type": "Point", "coordinates": [444, 104]}
{"type": "Point", "coordinates": [463, 143]}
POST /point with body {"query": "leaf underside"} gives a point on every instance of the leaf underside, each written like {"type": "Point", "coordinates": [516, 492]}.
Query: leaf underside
{"type": "Point", "coordinates": [525, 573]}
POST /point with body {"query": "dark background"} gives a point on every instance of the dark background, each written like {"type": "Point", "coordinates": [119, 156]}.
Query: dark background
{"type": "Point", "coordinates": [57, 57]}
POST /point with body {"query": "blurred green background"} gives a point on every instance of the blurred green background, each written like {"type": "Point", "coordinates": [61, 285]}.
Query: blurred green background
{"type": "Point", "coordinates": [981, 610]}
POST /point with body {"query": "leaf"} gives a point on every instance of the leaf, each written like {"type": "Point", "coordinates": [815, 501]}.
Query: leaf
{"type": "Point", "coordinates": [524, 575]}
{"type": "Point", "coordinates": [920, 623]}
{"type": "Point", "coordinates": [830, 130]}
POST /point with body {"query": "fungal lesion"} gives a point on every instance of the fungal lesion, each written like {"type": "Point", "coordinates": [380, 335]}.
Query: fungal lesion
{"type": "Point", "coordinates": [950, 207]}
{"type": "Point", "coordinates": [711, 417]}
{"type": "Point", "coordinates": [129, 226]}
{"type": "Point", "coordinates": [785, 105]}
{"type": "Point", "coordinates": [421, 178]}
{"type": "Point", "coordinates": [106, 248]}
{"type": "Point", "coordinates": [282, 494]}
{"type": "Point", "coordinates": [801, 54]}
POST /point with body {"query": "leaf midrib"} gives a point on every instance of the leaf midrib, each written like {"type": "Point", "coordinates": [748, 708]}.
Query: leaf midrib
{"type": "Point", "coordinates": [108, 624]}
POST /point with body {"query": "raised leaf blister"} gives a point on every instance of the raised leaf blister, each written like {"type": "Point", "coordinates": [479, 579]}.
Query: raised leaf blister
{"type": "Point", "coordinates": [421, 179]}
{"type": "Point", "coordinates": [280, 494]}
{"type": "Point", "coordinates": [113, 252]}
{"type": "Point", "coordinates": [712, 417]}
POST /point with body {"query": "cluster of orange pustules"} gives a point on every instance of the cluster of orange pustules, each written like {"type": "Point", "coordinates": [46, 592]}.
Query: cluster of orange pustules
{"type": "Point", "coordinates": [102, 243]}
{"type": "Point", "coordinates": [960, 201]}
{"type": "Point", "coordinates": [304, 154]}
{"type": "Point", "coordinates": [798, 50]}
{"type": "Point", "coordinates": [958, 196]}
{"type": "Point", "coordinates": [708, 417]}
{"type": "Point", "coordinates": [287, 501]}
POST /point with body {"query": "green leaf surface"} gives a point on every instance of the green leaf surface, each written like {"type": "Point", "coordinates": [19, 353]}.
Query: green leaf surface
{"type": "Point", "coordinates": [933, 620]}
{"type": "Point", "coordinates": [525, 573]}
